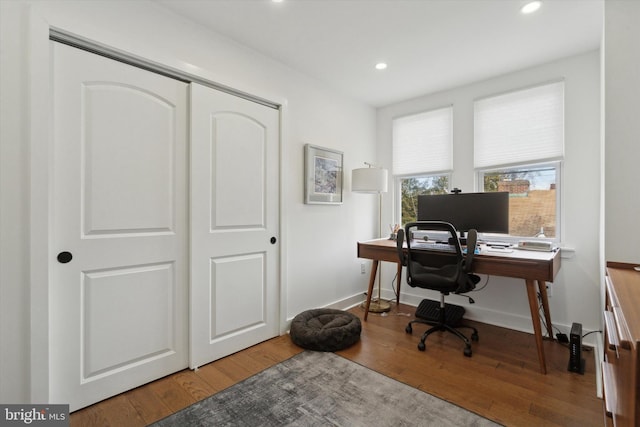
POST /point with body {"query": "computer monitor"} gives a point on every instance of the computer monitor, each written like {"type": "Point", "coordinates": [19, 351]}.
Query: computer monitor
{"type": "Point", "coordinates": [484, 212]}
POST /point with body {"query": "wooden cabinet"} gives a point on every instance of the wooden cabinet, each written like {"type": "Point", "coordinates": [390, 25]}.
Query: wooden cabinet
{"type": "Point", "coordinates": [620, 368]}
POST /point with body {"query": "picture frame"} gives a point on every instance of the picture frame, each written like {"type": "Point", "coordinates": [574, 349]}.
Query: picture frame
{"type": "Point", "coordinates": [323, 173]}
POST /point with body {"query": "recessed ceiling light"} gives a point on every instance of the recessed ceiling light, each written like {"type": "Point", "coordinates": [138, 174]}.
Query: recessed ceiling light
{"type": "Point", "coordinates": [381, 66]}
{"type": "Point", "coordinates": [277, 1]}
{"type": "Point", "coordinates": [531, 7]}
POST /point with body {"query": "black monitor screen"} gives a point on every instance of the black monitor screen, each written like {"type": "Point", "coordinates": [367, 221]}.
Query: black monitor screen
{"type": "Point", "coordinates": [485, 212]}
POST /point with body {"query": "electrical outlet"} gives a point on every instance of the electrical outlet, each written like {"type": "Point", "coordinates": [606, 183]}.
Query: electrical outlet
{"type": "Point", "coordinates": [549, 290]}
{"type": "Point", "coordinates": [363, 269]}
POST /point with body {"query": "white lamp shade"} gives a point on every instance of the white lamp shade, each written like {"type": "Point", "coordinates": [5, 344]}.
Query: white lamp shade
{"type": "Point", "coordinates": [369, 180]}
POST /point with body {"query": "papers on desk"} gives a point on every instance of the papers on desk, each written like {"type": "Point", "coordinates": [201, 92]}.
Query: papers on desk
{"type": "Point", "coordinates": [499, 249]}
{"type": "Point", "coordinates": [515, 253]}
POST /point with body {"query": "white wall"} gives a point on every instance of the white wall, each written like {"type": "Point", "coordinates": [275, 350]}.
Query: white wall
{"type": "Point", "coordinates": [576, 296]}
{"type": "Point", "coordinates": [14, 212]}
{"type": "Point", "coordinates": [318, 242]}
{"type": "Point", "coordinates": [622, 131]}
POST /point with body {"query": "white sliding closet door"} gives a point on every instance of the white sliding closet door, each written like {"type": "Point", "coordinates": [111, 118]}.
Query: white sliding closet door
{"type": "Point", "coordinates": [119, 235]}
{"type": "Point", "coordinates": [234, 224]}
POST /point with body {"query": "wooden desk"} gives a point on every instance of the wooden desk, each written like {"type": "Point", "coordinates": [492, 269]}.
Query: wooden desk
{"type": "Point", "coordinates": [535, 268]}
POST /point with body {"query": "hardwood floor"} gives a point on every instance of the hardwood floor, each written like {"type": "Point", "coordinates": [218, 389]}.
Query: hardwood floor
{"type": "Point", "coordinates": [501, 381]}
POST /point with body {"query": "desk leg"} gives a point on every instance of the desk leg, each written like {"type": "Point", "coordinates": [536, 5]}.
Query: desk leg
{"type": "Point", "coordinates": [372, 281]}
{"type": "Point", "coordinates": [535, 318]}
{"type": "Point", "coordinates": [542, 286]}
{"type": "Point", "coordinates": [399, 283]}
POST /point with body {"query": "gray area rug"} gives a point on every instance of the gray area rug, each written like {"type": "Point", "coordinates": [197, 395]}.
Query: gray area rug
{"type": "Point", "coordinates": [322, 389]}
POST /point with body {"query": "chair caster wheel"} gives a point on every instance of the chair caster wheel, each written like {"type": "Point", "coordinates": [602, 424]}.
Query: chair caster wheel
{"type": "Point", "coordinates": [467, 351]}
{"type": "Point", "coordinates": [408, 329]}
{"type": "Point", "coordinates": [474, 337]}
{"type": "Point", "coordinates": [421, 346]}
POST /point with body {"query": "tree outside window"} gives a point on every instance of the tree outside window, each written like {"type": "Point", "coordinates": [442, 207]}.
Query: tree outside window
{"type": "Point", "coordinates": [412, 187]}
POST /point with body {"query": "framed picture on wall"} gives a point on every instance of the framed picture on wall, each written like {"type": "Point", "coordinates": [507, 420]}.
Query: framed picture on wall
{"type": "Point", "coordinates": [323, 175]}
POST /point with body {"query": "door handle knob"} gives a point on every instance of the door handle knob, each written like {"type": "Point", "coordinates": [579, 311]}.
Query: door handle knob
{"type": "Point", "coordinates": [64, 257]}
{"type": "Point", "coordinates": [273, 240]}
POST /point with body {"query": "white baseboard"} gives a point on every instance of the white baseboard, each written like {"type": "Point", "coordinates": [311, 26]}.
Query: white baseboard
{"type": "Point", "coordinates": [343, 304]}
{"type": "Point", "coordinates": [516, 322]}
{"type": "Point", "coordinates": [479, 314]}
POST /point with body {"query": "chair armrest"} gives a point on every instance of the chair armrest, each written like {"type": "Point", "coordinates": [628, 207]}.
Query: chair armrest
{"type": "Point", "coordinates": [472, 239]}
{"type": "Point", "coordinates": [399, 246]}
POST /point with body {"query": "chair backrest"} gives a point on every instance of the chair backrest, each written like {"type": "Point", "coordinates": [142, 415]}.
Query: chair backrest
{"type": "Point", "coordinates": [438, 266]}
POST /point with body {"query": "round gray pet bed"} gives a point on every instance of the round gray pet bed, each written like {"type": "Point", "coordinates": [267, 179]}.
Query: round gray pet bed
{"type": "Point", "coordinates": [325, 329]}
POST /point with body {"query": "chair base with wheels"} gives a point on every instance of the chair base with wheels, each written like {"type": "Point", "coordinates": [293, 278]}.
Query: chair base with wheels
{"type": "Point", "coordinates": [445, 322]}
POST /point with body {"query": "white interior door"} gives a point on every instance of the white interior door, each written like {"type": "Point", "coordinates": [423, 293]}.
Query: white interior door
{"type": "Point", "coordinates": [234, 224]}
{"type": "Point", "coordinates": [119, 255]}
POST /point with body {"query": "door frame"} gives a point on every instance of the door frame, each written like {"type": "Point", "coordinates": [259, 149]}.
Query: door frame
{"type": "Point", "coordinates": [40, 142]}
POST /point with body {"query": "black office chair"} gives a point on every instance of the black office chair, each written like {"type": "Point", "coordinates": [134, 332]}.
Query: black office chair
{"type": "Point", "coordinates": [441, 267]}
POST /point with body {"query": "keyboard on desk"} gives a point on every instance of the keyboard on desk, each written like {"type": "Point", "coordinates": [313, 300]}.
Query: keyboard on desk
{"type": "Point", "coordinates": [433, 246]}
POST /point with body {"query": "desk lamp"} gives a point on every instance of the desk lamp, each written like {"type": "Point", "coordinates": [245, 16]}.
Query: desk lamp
{"type": "Point", "coordinates": [372, 180]}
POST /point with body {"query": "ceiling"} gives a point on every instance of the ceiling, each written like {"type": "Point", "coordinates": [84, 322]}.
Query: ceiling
{"type": "Point", "coordinates": [429, 45]}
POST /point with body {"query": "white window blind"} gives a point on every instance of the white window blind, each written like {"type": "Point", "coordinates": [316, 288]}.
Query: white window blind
{"type": "Point", "coordinates": [520, 126]}
{"type": "Point", "coordinates": [422, 143]}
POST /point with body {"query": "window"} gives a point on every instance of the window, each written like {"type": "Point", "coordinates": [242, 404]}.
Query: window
{"type": "Point", "coordinates": [422, 157]}
{"type": "Point", "coordinates": [533, 197]}
{"type": "Point", "coordinates": [518, 147]}
{"type": "Point", "coordinates": [412, 187]}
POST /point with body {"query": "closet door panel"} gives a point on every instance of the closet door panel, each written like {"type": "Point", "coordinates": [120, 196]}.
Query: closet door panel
{"type": "Point", "coordinates": [234, 224]}
{"type": "Point", "coordinates": [119, 234]}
